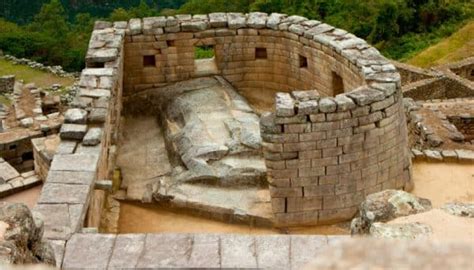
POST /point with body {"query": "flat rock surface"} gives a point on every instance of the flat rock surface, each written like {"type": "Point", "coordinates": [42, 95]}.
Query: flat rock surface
{"type": "Point", "coordinates": [375, 254]}
{"type": "Point", "coordinates": [444, 226]}
{"type": "Point", "coordinates": [193, 251]}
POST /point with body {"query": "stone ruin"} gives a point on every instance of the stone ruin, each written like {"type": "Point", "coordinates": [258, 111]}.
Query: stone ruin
{"type": "Point", "coordinates": [197, 134]}
{"type": "Point", "coordinates": [6, 84]}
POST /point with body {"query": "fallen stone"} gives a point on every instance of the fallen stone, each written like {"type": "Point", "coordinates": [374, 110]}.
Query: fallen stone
{"type": "Point", "coordinates": [27, 122]}
{"type": "Point", "coordinates": [92, 137]}
{"type": "Point", "coordinates": [459, 209]}
{"type": "Point", "coordinates": [75, 116]}
{"type": "Point", "coordinates": [385, 206]}
{"type": "Point", "coordinates": [73, 131]}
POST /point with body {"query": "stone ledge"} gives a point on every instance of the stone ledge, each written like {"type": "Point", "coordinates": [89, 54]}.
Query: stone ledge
{"type": "Point", "coordinates": [460, 155]}
{"type": "Point", "coordinates": [194, 250]}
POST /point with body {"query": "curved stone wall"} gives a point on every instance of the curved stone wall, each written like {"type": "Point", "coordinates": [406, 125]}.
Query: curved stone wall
{"type": "Point", "coordinates": [325, 149]}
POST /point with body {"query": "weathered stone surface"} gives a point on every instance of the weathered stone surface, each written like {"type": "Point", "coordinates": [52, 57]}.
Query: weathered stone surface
{"type": "Point", "coordinates": [218, 19]}
{"type": "Point", "coordinates": [460, 209]}
{"type": "Point", "coordinates": [127, 250]}
{"type": "Point", "coordinates": [327, 105]}
{"type": "Point", "coordinates": [88, 251]}
{"type": "Point", "coordinates": [306, 95]}
{"type": "Point", "coordinates": [7, 172]}
{"type": "Point", "coordinates": [257, 20]}
{"type": "Point", "coordinates": [402, 254]}
{"type": "Point", "coordinates": [92, 137]}
{"type": "Point", "coordinates": [75, 116]}
{"type": "Point", "coordinates": [135, 26]}
{"type": "Point", "coordinates": [97, 115]}
{"type": "Point", "coordinates": [236, 20]}
{"type": "Point", "coordinates": [27, 122]}
{"type": "Point", "coordinates": [284, 105]}
{"type": "Point", "coordinates": [57, 224]}
{"type": "Point", "coordinates": [238, 251]}
{"type": "Point", "coordinates": [465, 156]}
{"type": "Point", "coordinates": [274, 20]}
{"type": "Point", "coordinates": [344, 103]}
{"type": "Point", "coordinates": [194, 26]}
{"type": "Point", "coordinates": [365, 96]}
{"type": "Point", "coordinates": [385, 206]}
{"type": "Point", "coordinates": [71, 177]}
{"type": "Point", "coordinates": [269, 257]}
{"type": "Point", "coordinates": [73, 131]}
{"type": "Point", "coordinates": [21, 236]}
{"type": "Point", "coordinates": [64, 193]}
{"type": "Point", "coordinates": [304, 249]}
{"type": "Point", "coordinates": [400, 231]}
{"type": "Point", "coordinates": [172, 255]}
{"type": "Point", "coordinates": [77, 163]}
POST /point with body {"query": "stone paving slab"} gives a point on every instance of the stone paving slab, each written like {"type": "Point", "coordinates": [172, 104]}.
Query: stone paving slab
{"type": "Point", "coordinates": [203, 251]}
{"type": "Point", "coordinates": [88, 251]}
{"type": "Point", "coordinates": [65, 177]}
{"type": "Point", "coordinates": [84, 163]}
{"type": "Point", "coordinates": [7, 172]}
{"type": "Point", "coordinates": [64, 193]}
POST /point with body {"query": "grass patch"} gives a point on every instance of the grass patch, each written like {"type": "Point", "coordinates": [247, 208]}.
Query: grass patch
{"type": "Point", "coordinates": [203, 52]}
{"type": "Point", "coordinates": [4, 100]}
{"type": "Point", "coordinates": [454, 48]}
{"type": "Point", "coordinates": [40, 78]}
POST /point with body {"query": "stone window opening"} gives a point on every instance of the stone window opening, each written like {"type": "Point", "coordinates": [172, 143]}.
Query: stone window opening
{"type": "Point", "coordinates": [303, 62]}
{"type": "Point", "coordinates": [205, 60]}
{"type": "Point", "coordinates": [149, 61]}
{"type": "Point", "coordinates": [261, 53]}
{"type": "Point", "coordinates": [337, 84]}
{"type": "Point", "coordinates": [170, 43]}
{"type": "Point", "coordinates": [96, 65]}
{"type": "Point", "coordinates": [12, 147]}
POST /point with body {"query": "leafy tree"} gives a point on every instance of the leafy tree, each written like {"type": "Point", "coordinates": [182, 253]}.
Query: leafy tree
{"type": "Point", "coordinates": [51, 20]}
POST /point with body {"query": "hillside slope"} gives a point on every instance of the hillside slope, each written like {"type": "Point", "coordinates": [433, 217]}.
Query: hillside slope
{"type": "Point", "coordinates": [458, 46]}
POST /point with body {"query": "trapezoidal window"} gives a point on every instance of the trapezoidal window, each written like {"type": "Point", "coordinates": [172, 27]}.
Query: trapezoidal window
{"type": "Point", "coordinates": [337, 84]}
{"type": "Point", "coordinates": [303, 62]}
{"type": "Point", "coordinates": [261, 53]}
{"type": "Point", "coordinates": [149, 61]}
{"type": "Point", "coordinates": [205, 61]}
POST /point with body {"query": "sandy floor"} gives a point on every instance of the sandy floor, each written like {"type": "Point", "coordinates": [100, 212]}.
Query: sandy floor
{"type": "Point", "coordinates": [444, 225]}
{"type": "Point", "coordinates": [444, 182]}
{"type": "Point", "coordinates": [135, 218]}
{"type": "Point", "coordinates": [28, 197]}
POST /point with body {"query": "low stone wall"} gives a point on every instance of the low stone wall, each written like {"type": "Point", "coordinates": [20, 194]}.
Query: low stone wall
{"type": "Point", "coordinates": [464, 68]}
{"type": "Point", "coordinates": [411, 74]}
{"type": "Point", "coordinates": [85, 153]}
{"type": "Point", "coordinates": [7, 83]}
{"type": "Point", "coordinates": [438, 88]}
{"type": "Point", "coordinates": [325, 155]}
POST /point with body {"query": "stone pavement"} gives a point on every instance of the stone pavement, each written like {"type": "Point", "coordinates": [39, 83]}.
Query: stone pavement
{"type": "Point", "coordinates": [103, 251]}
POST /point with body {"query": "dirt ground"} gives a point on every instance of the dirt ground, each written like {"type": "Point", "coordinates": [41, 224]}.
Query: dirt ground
{"type": "Point", "coordinates": [444, 182]}
{"type": "Point", "coordinates": [28, 197]}
{"type": "Point", "coordinates": [159, 220]}
{"type": "Point", "coordinates": [444, 225]}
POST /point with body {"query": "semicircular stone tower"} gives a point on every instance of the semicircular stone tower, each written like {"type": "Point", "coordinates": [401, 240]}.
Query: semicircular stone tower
{"type": "Point", "coordinates": [338, 130]}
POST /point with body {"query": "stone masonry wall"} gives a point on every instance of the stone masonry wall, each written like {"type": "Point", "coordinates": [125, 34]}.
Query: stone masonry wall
{"type": "Point", "coordinates": [294, 55]}
{"type": "Point", "coordinates": [87, 136]}
{"type": "Point", "coordinates": [324, 155]}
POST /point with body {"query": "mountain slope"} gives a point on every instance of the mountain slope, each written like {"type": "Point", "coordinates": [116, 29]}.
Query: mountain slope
{"type": "Point", "coordinates": [458, 46]}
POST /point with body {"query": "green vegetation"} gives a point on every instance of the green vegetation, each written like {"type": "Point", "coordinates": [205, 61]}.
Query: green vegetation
{"type": "Point", "coordinates": [455, 48]}
{"type": "Point", "coordinates": [40, 78]}
{"type": "Point", "coordinates": [4, 100]}
{"type": "Point", "coordinates": [203, 52]}
{"type": "Point", "coordinates": [56, 32]}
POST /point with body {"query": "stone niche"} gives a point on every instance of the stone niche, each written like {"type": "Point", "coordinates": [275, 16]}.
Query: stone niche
{"type": "Point", "coordinates": [337, 131]}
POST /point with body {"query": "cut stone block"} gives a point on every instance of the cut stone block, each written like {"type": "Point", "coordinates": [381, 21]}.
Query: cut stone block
{"type": "Point", "coordinates": [73, 131]}
{"type": "Point", "coordinates": [127, 251]}
{"type": "Point", "coordinates": [77, 163]}
{"type": "Point", "coordinates": [238, 251]}
{"type": "Point", "coordinates": [7, 172]}
{"type": "Point", "coordinates": [88, 251]}
{"type": "Point", "coordinates": [64, 193]}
